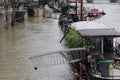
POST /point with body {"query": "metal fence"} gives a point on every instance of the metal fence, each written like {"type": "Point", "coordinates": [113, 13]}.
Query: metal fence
{"type": "Point", "coordinates": [58, 57]}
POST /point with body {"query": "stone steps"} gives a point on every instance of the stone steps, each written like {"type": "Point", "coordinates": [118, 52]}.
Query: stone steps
{"type": "Point", "coordinates": [101, 1]}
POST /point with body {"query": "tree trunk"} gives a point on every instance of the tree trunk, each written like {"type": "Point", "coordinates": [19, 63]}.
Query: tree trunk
{"type": "Point", "coordinates": [13, 13]}
{"type": "Point", "coordinates": [42, 8]}
{"type": "Point", "coordinates": [6, 15]}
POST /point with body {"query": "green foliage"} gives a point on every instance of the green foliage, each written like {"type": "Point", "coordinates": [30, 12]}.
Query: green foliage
{"type": "Point", "coordinates": [101, 56]}
{"type": "Point", "coordinates": [74, 40]}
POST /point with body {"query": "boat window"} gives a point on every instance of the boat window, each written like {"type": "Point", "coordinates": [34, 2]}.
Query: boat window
{"type": "Point", "coordinates": [108, 44]}
{"type": "Point", "coordinates": [97, 44]}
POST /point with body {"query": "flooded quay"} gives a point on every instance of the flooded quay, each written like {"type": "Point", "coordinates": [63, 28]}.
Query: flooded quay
{"type": "Point", "coordinates": [36, 36]}
{"type": "Point", "coordinates": [27, 39]}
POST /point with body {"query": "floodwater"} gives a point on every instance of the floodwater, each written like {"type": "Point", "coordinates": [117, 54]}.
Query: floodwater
{"type": "Point", "coordinates": [36, 36]}
{"type": "Point", "coordinates": [111, 19]}
{"type": "Point", "coordinates": [27, 39]}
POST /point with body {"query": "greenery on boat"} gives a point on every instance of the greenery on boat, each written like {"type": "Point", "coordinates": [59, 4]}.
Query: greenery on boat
{"type": "Point", "coordinates": [102, 56]}
{"type": "Point", "coordinates": [74, 40]}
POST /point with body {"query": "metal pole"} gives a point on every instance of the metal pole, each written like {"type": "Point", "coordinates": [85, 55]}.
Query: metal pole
{"type": "Point", "coordinates": [102, 45]}
{"type": "Point", "coordinates": [81, 11]}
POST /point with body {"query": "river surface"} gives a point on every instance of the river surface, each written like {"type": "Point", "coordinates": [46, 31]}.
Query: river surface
{"type": "Point", "coordinates": [27, 39]}
{"type": "Point", "coordinates": [111, 19]}
{"type": "Point", "coordinates": [36, 36]}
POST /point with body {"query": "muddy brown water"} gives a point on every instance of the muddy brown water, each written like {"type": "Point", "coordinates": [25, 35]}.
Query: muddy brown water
{"type": "Point", "coordinates": [36, 36]}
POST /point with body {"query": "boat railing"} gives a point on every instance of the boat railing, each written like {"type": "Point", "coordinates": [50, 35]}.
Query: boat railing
{"type": "Point", "coordinates": [99, 77]}
{"type": "Point", "coordinates": [107, 69]}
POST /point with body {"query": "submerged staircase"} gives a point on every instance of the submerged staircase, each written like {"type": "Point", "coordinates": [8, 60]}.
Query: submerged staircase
{"type": "Point", "coordinates": [101, 1]}
{"type": "Point", "coordinates": [106, 1]}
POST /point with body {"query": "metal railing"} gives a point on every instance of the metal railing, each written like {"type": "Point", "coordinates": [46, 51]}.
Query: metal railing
{"type": "Point", "coordinates": [58, 57]}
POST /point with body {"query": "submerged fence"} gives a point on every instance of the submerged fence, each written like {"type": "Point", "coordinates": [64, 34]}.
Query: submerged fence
{"type": "Point", "coordinates": [59, 57]}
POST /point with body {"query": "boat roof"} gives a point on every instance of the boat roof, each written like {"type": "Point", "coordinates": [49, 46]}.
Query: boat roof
{"type": "Point", "coordinates": [94, 29]}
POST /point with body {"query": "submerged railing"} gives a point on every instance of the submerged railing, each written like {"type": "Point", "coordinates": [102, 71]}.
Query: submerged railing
{"type": "Point", "coordinates": [59, 57]}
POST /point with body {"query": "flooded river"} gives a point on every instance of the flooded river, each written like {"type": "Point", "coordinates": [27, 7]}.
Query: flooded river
{"type": "Point", "coordinates": [36, 36]}
{"type": "Point", "coordinates": [111, 19]}
{"type": "Point", "coordinates": [28, 39]}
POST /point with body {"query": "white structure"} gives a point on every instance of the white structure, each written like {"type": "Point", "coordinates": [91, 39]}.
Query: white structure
{"type": "Point", "coordinates": [101, 35]}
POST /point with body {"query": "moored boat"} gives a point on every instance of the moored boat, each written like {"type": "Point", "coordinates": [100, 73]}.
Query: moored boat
{"type": "Point", "coordinates": [89, 1]}
{"type": "Point", "coordinates": [95, 13]}
{"type": "Point", "coordinates": [113, 1]}
{"type": "Point", "coordinates": [102, 38]}
{"type": "Point", "coordinates": [108, 71]}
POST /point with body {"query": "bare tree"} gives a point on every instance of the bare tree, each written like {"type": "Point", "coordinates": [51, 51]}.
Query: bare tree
{"type": "Point", "coordinates": [6, 11]}
{"type": "Point", "coordinates": [13, 4]}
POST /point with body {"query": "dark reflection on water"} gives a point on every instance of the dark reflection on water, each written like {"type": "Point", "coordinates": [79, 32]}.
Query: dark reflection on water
{"type": "Point", "coordinates": [36, 36]}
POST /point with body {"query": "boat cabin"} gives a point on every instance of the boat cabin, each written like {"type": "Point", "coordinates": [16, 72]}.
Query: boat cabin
{"type": "Point", "coordinates": [101, 35]}
{"type": "Point", "coordinates": [102, 39]}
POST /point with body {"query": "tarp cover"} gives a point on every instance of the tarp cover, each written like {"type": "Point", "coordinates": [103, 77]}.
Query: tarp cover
{"type": "Point", "coordinates": [94, 29]}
